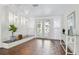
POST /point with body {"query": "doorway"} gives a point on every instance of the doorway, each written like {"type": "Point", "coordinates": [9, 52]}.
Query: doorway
{"type": "Point", "coordinates": [42, 28]}
{"type": "Point", "coordinates": [49, 28]}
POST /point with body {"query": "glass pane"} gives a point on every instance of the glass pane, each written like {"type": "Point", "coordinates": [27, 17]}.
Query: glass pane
{"type": "Point", "coordinates": [46, 26]}
{"type": "Point", "coordinates": [39, 29]}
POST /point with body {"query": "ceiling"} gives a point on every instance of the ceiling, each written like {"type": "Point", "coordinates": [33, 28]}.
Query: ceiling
{"type": "Point", "coordinates": [40, 9]}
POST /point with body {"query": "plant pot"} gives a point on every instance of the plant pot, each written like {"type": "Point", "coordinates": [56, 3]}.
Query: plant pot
{"type": "Point", "coordinates": [13, 38]}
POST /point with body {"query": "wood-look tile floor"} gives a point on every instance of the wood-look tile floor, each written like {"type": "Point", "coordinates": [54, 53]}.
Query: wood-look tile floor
{"type": "Point", "coordinates": [35, 47]}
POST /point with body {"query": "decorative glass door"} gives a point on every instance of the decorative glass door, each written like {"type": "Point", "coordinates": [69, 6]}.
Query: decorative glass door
{"type": "Point", "coordinates": [42, 27]}
{"type": "Point", "coordinates": [39, 31]}
{"type": "Point", "coordinates": [46, 28]}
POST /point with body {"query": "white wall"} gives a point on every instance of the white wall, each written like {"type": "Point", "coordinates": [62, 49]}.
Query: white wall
{"type": "Point", "coordinates": [4, 25]}
{"type": "Point", "coordinates": [0, 34]}
{"type": "Point", "coordinates": [55, 28]}
{"type": "Point", "coordinates": [2, 17]}
{"type": "Point", "coordinates": [0, 27]}
{"type": "Point", "coordinates": [26, 28]}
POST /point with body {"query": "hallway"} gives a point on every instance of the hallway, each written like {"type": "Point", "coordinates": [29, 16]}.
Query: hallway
{"type": "Point", "coordinates": [58, 22]}
{"type": "Point", "coordinates": [36, 47]}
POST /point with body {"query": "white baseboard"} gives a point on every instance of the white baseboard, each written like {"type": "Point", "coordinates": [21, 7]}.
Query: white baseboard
{"type": "Point", "coordinates": [48, 38]}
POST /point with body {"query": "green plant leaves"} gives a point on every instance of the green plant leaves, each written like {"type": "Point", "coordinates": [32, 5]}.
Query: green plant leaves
{"type": "Point", "coordinates": [12, 28]}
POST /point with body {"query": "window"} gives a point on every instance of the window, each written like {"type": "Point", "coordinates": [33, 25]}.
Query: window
{"type": "Point", "coordinates": [11, 18]}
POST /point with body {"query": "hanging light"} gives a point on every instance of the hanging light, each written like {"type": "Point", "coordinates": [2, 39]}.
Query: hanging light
{"type": "Point", "coordinates": [35, 5]}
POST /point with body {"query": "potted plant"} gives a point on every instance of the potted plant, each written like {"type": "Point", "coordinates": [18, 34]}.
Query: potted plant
{"type": "Point", "coordinates": [13, 29]}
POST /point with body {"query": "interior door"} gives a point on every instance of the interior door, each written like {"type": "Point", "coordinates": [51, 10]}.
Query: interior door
{"type": "Point", "coordinates": [43, 28]}
{"type": "Point", "coordinates": [39, 28]}
{"type": "Point", "coordinates": [46, 28]}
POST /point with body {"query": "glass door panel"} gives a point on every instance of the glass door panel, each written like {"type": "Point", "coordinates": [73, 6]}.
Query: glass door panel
{"type": "Point", "coordinates": [42, 28]}
{"type": "Point", "coordinates": [39, 28]}
{"type": "Point", "coordinates": [46, 28]}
